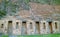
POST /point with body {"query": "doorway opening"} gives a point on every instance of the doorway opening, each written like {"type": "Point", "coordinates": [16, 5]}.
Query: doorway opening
{"type": "Point", "coordinates": [2, 25]}
{"type": "Point", "coordinates": [9, 27]}
{"type": "Point", "coordinates": [50, 26]}
{"type": "Point", "coordinates": [31, 26]}
{"type": "Point", "coordinates": [56, 25]}
{"type": "Point", "coordinates": [38, 27]}
{"type": "Point", "coordinates": [44, 25]}
{"type": "Point", "coordinates": [24, 28]}
{"type": "Point", "coordinates": [17, 25]}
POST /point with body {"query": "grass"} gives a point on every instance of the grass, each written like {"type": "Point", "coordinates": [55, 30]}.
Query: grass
{"type": "Point", "coordinates": [4, 36]}
{"type": "Point", "coordinates": [44, 35]}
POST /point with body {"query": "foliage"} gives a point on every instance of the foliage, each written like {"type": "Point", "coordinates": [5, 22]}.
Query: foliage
{"type": "Point", "coordinates": [15, 6]}
{"type": "Point", "coordinates": [2, 13]}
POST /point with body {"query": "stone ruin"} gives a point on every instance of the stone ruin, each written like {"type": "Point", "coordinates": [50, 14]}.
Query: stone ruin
{"type": "Point", "coordinates": [12, 25]}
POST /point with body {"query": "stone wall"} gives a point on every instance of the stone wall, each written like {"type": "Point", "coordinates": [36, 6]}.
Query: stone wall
{"type": "Point", "coordinates": [44, 27]}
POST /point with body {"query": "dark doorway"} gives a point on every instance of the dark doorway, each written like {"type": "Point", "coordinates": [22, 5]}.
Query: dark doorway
{"type": "Point", "coordinates": [24, 28]}
{"type": "Point", "coordinates": [31, 25]}
{"type": "Point", "coordinates": [50, 26]}
{"type": "Point", "coordinates": [44, 25]}
{"type": "Point", "coordinates": [38, 27]}
{"type": "Point", "coordinates": [17, 25]}
{"type": "Point", "coordinates": [9, 27]}
{"type": "Point", "coordinates": [2, 25]}
{"type": "Point", "coordinates": [56, 25]}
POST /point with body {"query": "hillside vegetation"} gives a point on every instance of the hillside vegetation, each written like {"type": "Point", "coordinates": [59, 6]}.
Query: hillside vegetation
{"type": "Point", "coordinates": [10, 7]}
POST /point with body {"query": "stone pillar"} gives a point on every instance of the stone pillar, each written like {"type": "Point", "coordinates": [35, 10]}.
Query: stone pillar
{"type": "Point", "coordinates": [28, 27]}
{"type": "Point", "coordinates": [47, 28]}
{"type": "Point", "coordinates": [54, 27]}
{"type": "Point", "coordinates": [14, 27]}
{"type": "Point", "coordinates": [41, 28]}
{"type": "Point", "coordinates": [33, 24]}
{"type": "Point", "coordinates": [2, 30]}
{"type": "Point", "coordinates": [44, 27]}
{"type": "Point", "coordinates": [6, 27]}
{"type": "Point", "coordinates": [31, 31]}
{"type": "Point", "coordinates": [18, 30]}
{"type": "Point", "coordinates": [20, 26]}
{"type": "Point", "coordinates": [59, 26]}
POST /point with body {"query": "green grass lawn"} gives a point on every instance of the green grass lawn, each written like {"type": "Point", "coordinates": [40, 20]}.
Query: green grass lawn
{"type": "Point", "coordinates": [46, 35]}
